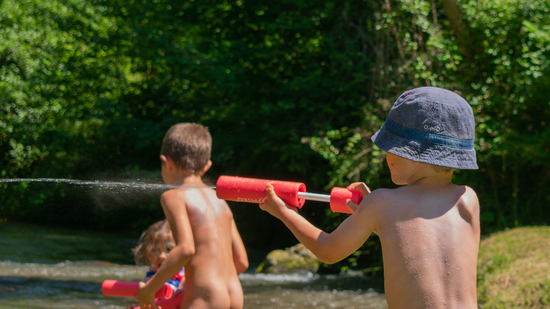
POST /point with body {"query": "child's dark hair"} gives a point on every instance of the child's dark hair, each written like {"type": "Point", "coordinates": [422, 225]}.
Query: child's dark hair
{"type": "Point", "coordinates": [188, 145]}
{"type": "Point", "coordinates": [154, 238]}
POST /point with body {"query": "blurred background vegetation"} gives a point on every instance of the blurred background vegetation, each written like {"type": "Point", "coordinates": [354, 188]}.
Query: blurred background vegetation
{"type": "Point", "coordinates": [290, 90]}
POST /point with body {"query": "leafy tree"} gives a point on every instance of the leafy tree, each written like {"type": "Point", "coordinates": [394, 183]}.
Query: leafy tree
{"type": "Point", "coordinates": [58, 75]}
{"type": "Point", "coordinates": [89, 87]}
{"type": "Point", "coordinates": [495, 54]}
{"type": "Point", "coordinates": [506, 81]}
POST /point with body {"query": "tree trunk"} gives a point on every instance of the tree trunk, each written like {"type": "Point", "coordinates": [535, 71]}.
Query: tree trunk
{"type": "Point", "coordinates": [454, 14]}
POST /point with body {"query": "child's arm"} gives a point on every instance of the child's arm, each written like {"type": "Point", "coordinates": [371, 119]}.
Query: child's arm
{"type": "Point", "coordinates": [240, 257]}
{"type": "Point", "coordinates": [176, 212]}
{"type": "Point", "coordinates": [182, 284]}
{"type": "Point", "coordinates": [333, 247]}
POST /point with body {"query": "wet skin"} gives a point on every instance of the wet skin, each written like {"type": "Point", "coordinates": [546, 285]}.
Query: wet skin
{"type": "Point", "coordinates": [208, 244]}
{"type": "Point", "coordinates": [429, 231]}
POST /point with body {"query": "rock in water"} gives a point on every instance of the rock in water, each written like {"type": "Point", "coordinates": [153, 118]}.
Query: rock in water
{"type": "Point", "coordinates": [296, 259]}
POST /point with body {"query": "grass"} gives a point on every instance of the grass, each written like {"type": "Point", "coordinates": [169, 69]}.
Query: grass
{"type": "Point", "coordinates": [514, 269]}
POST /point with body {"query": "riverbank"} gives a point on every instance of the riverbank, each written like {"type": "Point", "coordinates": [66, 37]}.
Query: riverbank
{"type": "Point", "coordinates": [42, 266]}
{"type": "Point", "coordinates": [45, 267]}
{"type": "Point", "coordinates": [514, 269]}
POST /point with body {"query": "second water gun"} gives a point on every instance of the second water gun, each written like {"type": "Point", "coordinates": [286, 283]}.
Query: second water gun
{"type": "Point", "coordinates": [166, 298]}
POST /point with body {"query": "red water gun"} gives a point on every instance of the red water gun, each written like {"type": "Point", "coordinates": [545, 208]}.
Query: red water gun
{"type": "Point", "coordinates": [251, 190]}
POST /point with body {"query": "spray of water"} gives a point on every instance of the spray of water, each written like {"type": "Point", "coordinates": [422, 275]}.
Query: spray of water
{"type": "Point", "coordinates": [109, 194]}
{"type": "Point", "coordinates": [111, 185]}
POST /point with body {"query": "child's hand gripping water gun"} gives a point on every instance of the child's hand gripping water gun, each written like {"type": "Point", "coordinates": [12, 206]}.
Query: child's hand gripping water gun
{"type": "Point", "coordinates": [166, 297]}
{"type": "Point", "coordinates": [240, 189]}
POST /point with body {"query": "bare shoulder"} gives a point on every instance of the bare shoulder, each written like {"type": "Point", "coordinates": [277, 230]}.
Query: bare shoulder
{"type": "Point", "coordinates": [468, 205]}
{"type": "Point", "coordinates": [377, 201]}
{"type": "Point", "coordinates": [382, 197]}
{"type": "Point", "coordinates": [222, 204]}
{"type": "Point", "coordinates": [172, 196]}
{"type": "Point", "coordinates": [468, 198]}
{"type": "Point", "coordinates": [375, 211]}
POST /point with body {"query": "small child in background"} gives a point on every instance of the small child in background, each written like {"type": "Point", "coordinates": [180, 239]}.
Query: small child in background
{"type": "Point", "coordinates": [153, 247]}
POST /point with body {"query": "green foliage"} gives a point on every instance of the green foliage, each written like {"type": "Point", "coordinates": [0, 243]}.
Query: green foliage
{"type": "Point", "coordinates": [56, 69]}
{"type": "Point", "coordinates": [509, 95]}
{"type": "Point", "coordinates": [501, 68]}
{"type": "Point", "coordinates": [89, 87]}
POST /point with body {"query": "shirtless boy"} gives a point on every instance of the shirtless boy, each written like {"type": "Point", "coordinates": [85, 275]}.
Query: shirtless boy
{"type": "Point", "coordinates": [429, 228]}
{"type": "Point", "coordinates": [207, 241]}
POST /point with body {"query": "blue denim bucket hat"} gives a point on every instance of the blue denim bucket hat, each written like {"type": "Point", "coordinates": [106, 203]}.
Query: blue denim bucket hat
{"type": "Point", "coordinates": [430, 125]}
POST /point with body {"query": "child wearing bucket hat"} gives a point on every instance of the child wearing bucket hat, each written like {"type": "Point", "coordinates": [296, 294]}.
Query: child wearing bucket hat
{"type": "Point", "coordinates": [429, 228]}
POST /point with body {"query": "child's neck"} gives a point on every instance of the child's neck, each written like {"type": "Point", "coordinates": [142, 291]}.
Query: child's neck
{"type": "Point", "coordinates": [192, 180]}
{"type": "Point", "coordinates": [432, 180]}
{"type": "Point", "coordinates": [187, 178]}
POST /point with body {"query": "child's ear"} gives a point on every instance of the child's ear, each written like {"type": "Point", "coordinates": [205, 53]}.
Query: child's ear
{"type": "Point", "coordinates": [168, 162]}
{"type": "Point", "coordinates": [163, 159]}
{"type": "Point", "coordinates": [206, 167]}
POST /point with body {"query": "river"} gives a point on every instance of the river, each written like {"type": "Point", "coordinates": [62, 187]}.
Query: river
{"type": "Point", "coordinates": [44, 267]}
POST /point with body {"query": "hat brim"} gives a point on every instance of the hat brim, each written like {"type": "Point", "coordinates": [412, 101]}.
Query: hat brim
{"type": "Point", "coordinates": [423, 151]}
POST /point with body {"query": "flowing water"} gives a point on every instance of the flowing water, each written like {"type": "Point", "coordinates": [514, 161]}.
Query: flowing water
{"type": "Point", "coordinates": [44, 267]}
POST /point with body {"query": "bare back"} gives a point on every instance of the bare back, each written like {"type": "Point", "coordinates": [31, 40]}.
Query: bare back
{"type": "Point", "coordinates": [430, 242]}
{"type": "Point", "coordinates": [210, 275]}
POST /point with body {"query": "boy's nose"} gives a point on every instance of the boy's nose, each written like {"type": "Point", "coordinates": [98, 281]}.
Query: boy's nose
{"type": "Point", "coordinates": [162, 256]}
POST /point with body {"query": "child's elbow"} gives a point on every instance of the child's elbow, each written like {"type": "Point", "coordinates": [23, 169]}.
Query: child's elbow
{"type": "Point", "coordinates": [326, 250]}
{"type": "Point", "coordinates": [328, 257]}
{"type": "Point", "coordinates": [329, 260]}
{"type": "Point", "coordinates": [241, 266]}
{"type": "Point", "coordinates": [189, 251]}
{"type": "Point", "coordinates": [186, 251]}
